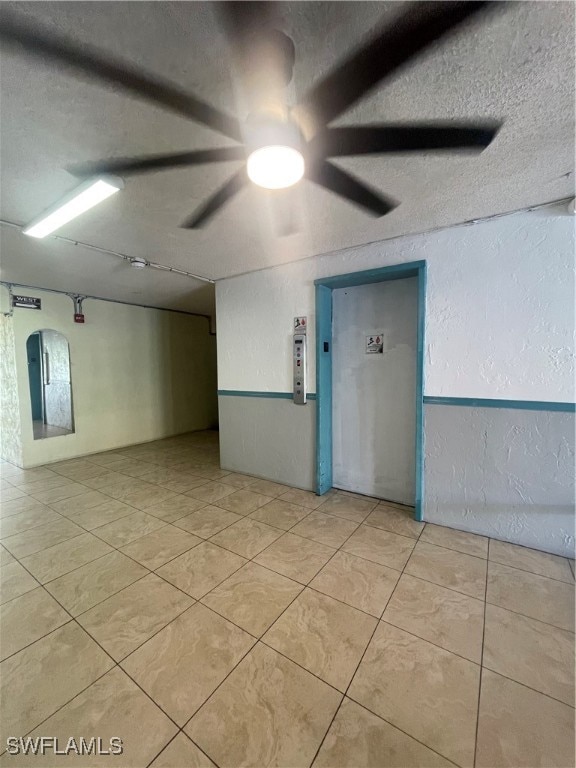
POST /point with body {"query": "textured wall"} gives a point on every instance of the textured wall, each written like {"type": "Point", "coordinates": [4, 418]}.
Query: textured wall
{"type": "Point", "coordinates": [269, 438]}
{"type": "Point", "coordinates": [505, 473]}
{"type": "Point", "coordinates": [10, 431]}
{"type": "Point", "coordinates": [499, 314]}
{"type": "Point", "coordinates": [137, 374]}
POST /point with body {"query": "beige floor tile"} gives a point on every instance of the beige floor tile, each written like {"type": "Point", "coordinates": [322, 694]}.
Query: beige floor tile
{"type": "Point", "coordinates": [161, 475]}
{"type": "Point", "coordinates": [106, 458]}
{"type": "Point", "coordinates": [442, 616]}
{"type": "Point", "coordinates": [65, 557]}
{"type": "Point", "coordinates": [158, 547]}
{"type": "Point", "coordinates": [269, 488]}
{"type": "Point", "coordinates": [357, 582]}
{"type": "Point", "coordinates": [149, 497]}
{"type": "Point", "coordinates": [15, 581]}
{"type": "Point", "coordinates": [323, 635]}
{"type": "Point", "coordinates": [84, 471]}
{"type": "Point", "coordinates": [9, 494]}
{"type": "Point", "coordinates": [181, 666]}
{"type": "Point", "coordinates": [532, 560]}
{"type": "Point", "coordinates": [27, 619]}
{"type": "Point", "coordinates": [182, 753]}
{"type": "Point", "coordinates": [126, 620]}
{"type": "Point", "coordinates": [467, 543]}
{"type": "Point", "coordinates": [449, 568]}
{"type": "Point", "coordinates": [185, 482]}
{"type": "Point", "coordinates": [253, 597]}
{"type": "Point", "coordinates": [5, 556]}
{"type": "Point", "coordinates": [247, 537]}
{"type": "Point", "coordinates": [520, 727]}
{"type": "Point", "coordinates": [244, 501]}
{"type": "Point", "coordinates": [207, 521]}
{"type": "Point", "coordinates": [210, 493]}
{"type": "Point", "coordinates": [201, 569]}
{"type": "Point", "coordinates": [380, 546]}
{"type": "Point", "coordinates": [125, 486]}
{"type": "Point", "coordinates": [37, 486]}
{"type": "Point", "coordinates": [77, 504]}
{"type": "Point", "coordinates": [415, 686]}
{"type": "Point", "coordinates": [348, 507]}
{"type": "Point", "coordinates": [113, 706]}
{"type": "Point", "coordinates": [83, 588]}
{"type": "Point", "coordinates": [8, 508]}
{"type": "Point", "coordinates": [281, 514]}
{"type": "Point", "coordinates": [213, 473]}
{"type": "Point", "coordinates": [303, 498]}
{"type": "Point", "coordinates": [299, 559]}
{"type": "Point", "coordinates": [41, 537]}
{"type": "Point", "coordinates": [327, 529]}
{"type": "Point", "coordinates": [238, 480]}
{"type": "Point", "coordinates": [106, 480]}
{"type": "Point", "coordinates": [100, 515]}
{"type": "Point", "coordinates": [42, 677]}
{"type": "Point", "coordinates": [359, 739]}
{"type": "Point", "coordinates": [24, 521]}
{"type": "Point", "coordinates": [531, 595]}
{"type": "Point", "coordinates": [538, 655]}
{"type": "Point", "coordinates": [269, 712]}
{"type": "Point", "coordinates": [395, 520]}
{"type": "Point", "coordinates": [57, 494]}
{"type": "Point", "coordinates": [16, 474]}
{"type": "Point", "coordinates": [175, 507]}
{"type": "Point", "coordinates": [129, 528]}
{"type": "Point", "coordinates": [130, 467]}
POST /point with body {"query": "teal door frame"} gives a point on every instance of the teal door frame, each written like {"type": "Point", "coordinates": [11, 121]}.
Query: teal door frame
{"type": "Point", "coordinates": [324, 288]}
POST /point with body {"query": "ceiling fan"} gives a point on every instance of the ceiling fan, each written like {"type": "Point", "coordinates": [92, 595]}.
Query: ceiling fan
{"type": "Point", "coordinates": [279, 144]}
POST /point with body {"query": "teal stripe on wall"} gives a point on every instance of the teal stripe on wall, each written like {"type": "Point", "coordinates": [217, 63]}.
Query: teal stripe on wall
{"type": "Point", "coordinates": [470, 402]}
{"type": "Point", "coordinates": [273, 395]}
{"type": "Point", "coordinates": [527, 405]}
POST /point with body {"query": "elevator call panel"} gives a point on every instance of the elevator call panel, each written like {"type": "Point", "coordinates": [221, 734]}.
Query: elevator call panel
{"type": "Point", "coordinates": [299, 364]}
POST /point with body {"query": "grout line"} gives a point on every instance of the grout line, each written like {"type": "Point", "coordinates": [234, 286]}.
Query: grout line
{"type": "Point", "coordinates": [481, 663]}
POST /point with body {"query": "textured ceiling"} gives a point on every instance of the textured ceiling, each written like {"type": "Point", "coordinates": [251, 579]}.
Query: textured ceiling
{"type": "Point", "coordinates": [515, 64]}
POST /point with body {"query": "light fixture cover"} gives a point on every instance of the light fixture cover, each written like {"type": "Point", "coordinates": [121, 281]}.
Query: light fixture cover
{"type": "Point", "coordinates": [275, 166]}
{"type": "Point", "coordinates": [83, 198]}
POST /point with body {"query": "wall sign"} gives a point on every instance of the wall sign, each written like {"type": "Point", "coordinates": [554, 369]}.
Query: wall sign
{"type": "Point", "coordinates": [374, 344]}
{"type": "Point", "coordinates": [300, 324]}
{"type": "Point", "coordinates": [27, 302]}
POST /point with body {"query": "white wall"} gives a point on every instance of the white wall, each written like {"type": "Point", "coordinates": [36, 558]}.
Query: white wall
{"type": "Point", "coordinates": [499, 325]}
{"type": "Point", "coordinates": [137, 374]}
{"type": "Point", "coordinates": [499, 314]}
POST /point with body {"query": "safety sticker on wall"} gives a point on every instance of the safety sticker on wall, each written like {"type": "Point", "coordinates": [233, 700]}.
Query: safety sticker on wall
{"type": "Point", "coordinates": [300, 324]}
{"type": "Point", "coordinates": [374, 344]}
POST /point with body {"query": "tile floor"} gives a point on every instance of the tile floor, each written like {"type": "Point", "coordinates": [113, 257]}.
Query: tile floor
{"type": "Point", "coordinates": [210, 618]}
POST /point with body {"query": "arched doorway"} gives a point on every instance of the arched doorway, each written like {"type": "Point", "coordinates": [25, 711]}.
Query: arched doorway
{"type": "Point", "coordinates": [49, 379]}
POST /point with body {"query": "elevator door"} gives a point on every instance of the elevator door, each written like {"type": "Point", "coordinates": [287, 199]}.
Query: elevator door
{"type": "Point", "coordinates": [374, 337]}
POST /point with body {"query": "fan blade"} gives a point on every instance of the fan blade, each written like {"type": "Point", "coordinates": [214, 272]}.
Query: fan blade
{"type": "Point", "coordinates": [105, 68]}
{"type": "Point", "coordinates": [217, 201]}
{"type": "Point", "coordinates": [263, 55]}
{"type": "Point", "coordinates": [376, 139]}
{"type": "Point", "coordinates": [148, 163]}
{"type": "Point", "coordinates": [342, 183]}
{"type": "Point", "coordinates": [422, 25]}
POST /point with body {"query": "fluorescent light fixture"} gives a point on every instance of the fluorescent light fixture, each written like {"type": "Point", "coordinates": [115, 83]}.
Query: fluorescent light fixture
{"type": "Point", "coordinates": [83, 198]}
{"type": "Point", "coordinates": [275, 167]}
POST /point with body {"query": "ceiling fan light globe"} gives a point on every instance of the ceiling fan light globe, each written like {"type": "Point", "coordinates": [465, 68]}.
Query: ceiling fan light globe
{"type": "Point", "coordinates": [275, 166]}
